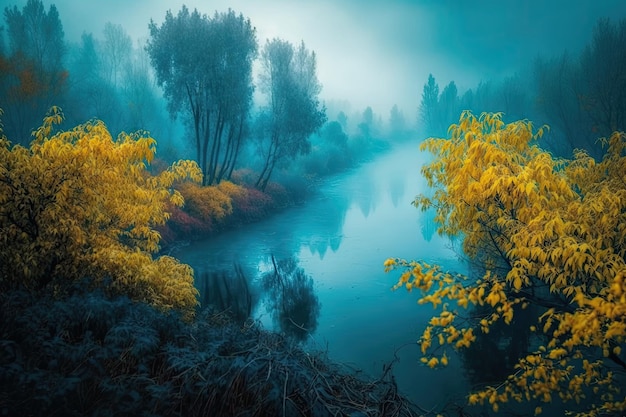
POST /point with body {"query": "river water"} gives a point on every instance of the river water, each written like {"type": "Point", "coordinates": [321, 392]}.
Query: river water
{"type": "Point", "coordinates": [340, 237]}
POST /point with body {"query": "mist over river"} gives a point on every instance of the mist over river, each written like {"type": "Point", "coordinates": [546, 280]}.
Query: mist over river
{"type": "Point", "coordinates": [340, 237]}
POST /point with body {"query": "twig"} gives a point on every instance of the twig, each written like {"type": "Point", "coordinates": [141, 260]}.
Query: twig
{"type": "Point", "coordinates": [285, 393]}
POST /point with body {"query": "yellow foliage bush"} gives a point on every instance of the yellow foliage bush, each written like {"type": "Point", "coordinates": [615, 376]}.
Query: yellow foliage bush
{"type": "Point", "coordinates": [78, 204]}
{"type": "Point", "coordinates": [209, 203]}
{"type": "Point", "coordinates": [546, 231]}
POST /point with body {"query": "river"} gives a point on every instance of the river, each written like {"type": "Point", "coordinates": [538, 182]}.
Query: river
{"type": "Point", "coordinates": [340, 237]}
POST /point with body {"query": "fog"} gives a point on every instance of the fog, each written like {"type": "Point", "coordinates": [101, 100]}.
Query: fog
{"type": "Point", "coordinates": [379, 53]}
{"type": "Point", "coordinates": [303, 194]}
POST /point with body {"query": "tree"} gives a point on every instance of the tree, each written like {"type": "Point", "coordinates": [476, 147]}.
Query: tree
{"type": "Point", "coordinates": [79, 205]}
{"type": "Point", "coordinates": [342, 118]}
{"type": "Point", "coordinates": [205, 67]}
{"type": "Point", "coordinates": [333, 135]}
{"type": "Point", "coordinates": [541, 232]}
{"type": "Point", "coordinates": [512, 98]}
{"type": "Point", "coordinates": [366, 127]}
{"type": "Point", "coordinates": [397, 123]}
{"type": "Point", "coordinates": [32, 76]}
{"type": "Point", "coordinates": [448, 106]}
{"type": "Point", "coordinates": [116, 53]}
{"type": "Point", "coordinates": [428, 109]}
{"type": "Point", "coordinates": [603, 77]}
{"type": "Point", "coordinates": [289, 79]}
{"type": "Point", "coordinates": [557, 98]}
{"type": "Point", "coordinates": [141, 97]}
{"type": "Point", "coordinates": [92, 93]}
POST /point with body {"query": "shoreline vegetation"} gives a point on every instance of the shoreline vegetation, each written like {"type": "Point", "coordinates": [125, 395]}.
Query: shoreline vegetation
{"type": "Point", "coordinates": [105, 356]}
{"type": "Point", "coordinates": [214, 209]}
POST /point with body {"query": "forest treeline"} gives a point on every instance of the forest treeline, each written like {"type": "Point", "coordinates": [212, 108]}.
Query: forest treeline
{"type": "Point", "coordinates": [130, 85]}
{"type": "Point", "coordinates": [195, 67]}
{"type": "Point", "coordinates": [580, 96]}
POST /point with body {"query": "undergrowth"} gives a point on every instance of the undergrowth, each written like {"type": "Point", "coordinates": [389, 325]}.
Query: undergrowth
{"type": "Point", "coordinates": [93, 355]}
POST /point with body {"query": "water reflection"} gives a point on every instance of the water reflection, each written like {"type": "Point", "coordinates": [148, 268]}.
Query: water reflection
{"type": "Point", "coordinates": [341, 239]}
{"type": "Point", "coordinates": [228, 291]}
{"type": "Point", "coordinates": [365, 195]}
{"type": "Point", "coordinates": [291, 299]}
{"type": "Point", "coordinates": [428, 225]}
{"type": "Point", "coordinates": [324, 228]}
{"type": "Point", "coordinates": [396, 189]}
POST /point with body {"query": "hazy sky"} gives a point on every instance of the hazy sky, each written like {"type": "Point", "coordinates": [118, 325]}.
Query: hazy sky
{"type": "Point", "coordinates": [380, 52]}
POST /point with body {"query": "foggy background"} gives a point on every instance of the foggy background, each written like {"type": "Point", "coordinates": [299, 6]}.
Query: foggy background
{"type": "Point", "coordinates": [379, 53]}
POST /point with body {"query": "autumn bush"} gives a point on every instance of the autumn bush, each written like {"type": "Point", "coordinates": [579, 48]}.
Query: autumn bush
{"type": "Point", "coordinates": [212, 209]}
{"type": "Point", "coordinates": [251, 206]}
{"type": "Point", "coordinates": [79, 204]}
{"type": "Point", "coordinates": [182, 225]}
{"type": "Point", "coordinates": [206, 203]}
{"type": "Point", "coordinates": [546, 233]}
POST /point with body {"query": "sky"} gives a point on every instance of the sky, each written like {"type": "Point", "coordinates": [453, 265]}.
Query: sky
{"type": "Point", "coordinates": [379, 52]}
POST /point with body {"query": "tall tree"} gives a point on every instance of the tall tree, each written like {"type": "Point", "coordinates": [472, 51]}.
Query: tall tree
{"type": "Point", "coordinates": [512, 98]}
{"type": "Point", "coordinates": [448, 107]}
{"type": "Point", "coordinates": [557, 85]}
{"type": "Point", "coordinates": [32, 77]}
{"type": "Point", "coordinates": [603, 67]}
{"type": "Point", "coordinates": [117, 50]}
{"type": "Point", "coordinates": [140, 94]}
{"type": "Point", "coordinates": [397, 122]}
{"type": "Point", "coordinates": [366, 126]}
{"type": "Point", "coordinates": [342, 118]}
{"type": "Point", "coordinates": [91, 91]}
{"type": "Point", "coordinates": [428, 109]}
{"type": "Point", "coordinates": [289, 79]}
{"type": "Point", "coordinates": [205, 67]}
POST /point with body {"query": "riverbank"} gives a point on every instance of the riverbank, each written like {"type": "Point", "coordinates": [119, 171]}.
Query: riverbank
{"type": "Point", "coordinates": [245, 204]}
{"type": "Point", "coordinates": [90, 354]}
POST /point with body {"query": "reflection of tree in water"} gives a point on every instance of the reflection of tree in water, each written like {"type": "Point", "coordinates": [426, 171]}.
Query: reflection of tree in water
{"type": "Point", "coordinates": [396, 189]}
{"type": "Point", "coordinates": [364, 196]}
{"type": "Point", "coordinates": [335, 241]}
{"type": "Point", "coordinates": [492, 356]}
{"type": "Point", "coordinates": [428, 225]}
{"type": "Point", "coordinates": [325, 227]}
{"type": "Point", "coordinates": [227, 291]}
{"type": "Point", "coordinates": [291, 298]}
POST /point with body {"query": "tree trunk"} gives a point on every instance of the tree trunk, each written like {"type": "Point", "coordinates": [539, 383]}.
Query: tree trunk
{"type": "Point", "coordinates": [215, 149]}
{"type": "Point", "coordinates": [236, 150]}
{"type": "Point", "coordinates": [205, 147]}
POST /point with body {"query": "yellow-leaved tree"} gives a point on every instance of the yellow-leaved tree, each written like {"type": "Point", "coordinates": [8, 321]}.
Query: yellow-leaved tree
{"type": "Point", "coordinates": [78, 204]}
{"type": "Point", "coordinates": [541, 232]}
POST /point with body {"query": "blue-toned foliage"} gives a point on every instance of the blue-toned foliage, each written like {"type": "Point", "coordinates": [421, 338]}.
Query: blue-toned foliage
{"type": "Point", "coordinates": [93, 355]}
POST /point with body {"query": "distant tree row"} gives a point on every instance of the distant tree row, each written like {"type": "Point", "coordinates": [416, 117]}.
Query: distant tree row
{"type": "Point", "coordinates": [580, 97]}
